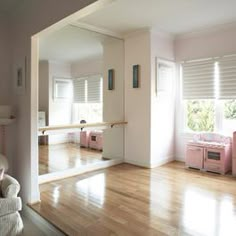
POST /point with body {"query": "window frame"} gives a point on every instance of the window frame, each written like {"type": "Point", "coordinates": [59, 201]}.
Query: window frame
{"type": "Point", "coordinates": [218, 119]}
{"type": "Point", "coordinates": [218, 99]}
{"type": "Point", "coordinates": [67, 82]}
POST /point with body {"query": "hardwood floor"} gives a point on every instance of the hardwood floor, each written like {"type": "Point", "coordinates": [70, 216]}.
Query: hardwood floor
{"type": "Point", "coordinates": [127, 200]}
{"type": "Point", "coordinates": [54, 158]}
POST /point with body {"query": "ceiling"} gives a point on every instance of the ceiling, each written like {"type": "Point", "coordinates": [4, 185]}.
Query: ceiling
{"type": "Point", "coordinates": [72, 44]}
{"type": "Point", "coordinates": [173, 16]}
{"type": "Point", "coordinates": [122, 17]}
{"type": "Point", "coordinates": [8, 5]}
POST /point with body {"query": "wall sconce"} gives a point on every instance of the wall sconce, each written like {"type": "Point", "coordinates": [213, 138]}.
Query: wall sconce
{"type": "Point", "coordinates": [111, 79]}
{"type": "Point", "coordinates": [136, 69]}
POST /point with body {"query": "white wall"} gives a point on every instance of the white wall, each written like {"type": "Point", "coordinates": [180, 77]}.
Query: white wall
{"type": "Point", "coordinates": [59, 110]}
{"type": "Point", "coordinates": [113, 100]}
{"type": "Point", "coordinates": [31, 18]}
{"type": "Point", "coordinates": [86, 68]}
{"type": "Point", "coordinates": [197, 46]}
{"type": "Point", "coordinates": [4, 62]}
{"type": "Point", "coordinates": [162, 107]}
{"type": "Point", "coordinates": [5, 98]}
{"type": "Point", "coordinates": [137, 100]}
{"type": "Point", "coordinates": [44, 87]}
{"type": "Point", "coordinates": [149, 139]}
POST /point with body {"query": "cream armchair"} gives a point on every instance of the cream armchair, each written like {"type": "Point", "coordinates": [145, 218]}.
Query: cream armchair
{"type": "Point", "coordinates": [10, 204]}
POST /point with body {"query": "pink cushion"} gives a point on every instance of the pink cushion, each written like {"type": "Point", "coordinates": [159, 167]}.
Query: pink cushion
{"type": "Point", "coordinates": [1, 174]}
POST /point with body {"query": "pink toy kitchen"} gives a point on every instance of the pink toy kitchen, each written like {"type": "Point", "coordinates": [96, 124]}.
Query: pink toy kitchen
{"type": "Point", "coordinates": [212, 152]}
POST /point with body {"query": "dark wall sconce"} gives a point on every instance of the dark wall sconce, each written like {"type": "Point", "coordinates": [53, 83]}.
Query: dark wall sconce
{"type": "Point", "coordinates": [136, 69]}
{"type": "Point", "coordinates": [111, 79]}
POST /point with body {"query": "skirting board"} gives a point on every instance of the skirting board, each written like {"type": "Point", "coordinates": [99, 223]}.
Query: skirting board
{"type": "Point", "coordinates": [152, 165]}
{"type": "Point", "coordinates": [137, 163]}
{"type": "Point", "coordinates": [162, 162]}
{"type": "Point", "coordinates": [181, 159]}
{"type": "Point", "coordinates": [77, 171]}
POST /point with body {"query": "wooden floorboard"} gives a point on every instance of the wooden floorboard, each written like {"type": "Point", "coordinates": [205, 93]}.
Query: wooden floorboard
{"type": "Point", "coordinates": [128, 200]}
{"type": "Point", "coordinates": [60, 157]}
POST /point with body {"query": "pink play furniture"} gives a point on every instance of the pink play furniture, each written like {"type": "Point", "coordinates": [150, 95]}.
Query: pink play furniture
{"type": "Point", "coordinates": [234, 155]}
{"type": "Point", "coordinates": [84, 139]}
{"type": "Point", "coordinates": [210, 152]}
{"type": "Point", "coordinates": [95, 140]}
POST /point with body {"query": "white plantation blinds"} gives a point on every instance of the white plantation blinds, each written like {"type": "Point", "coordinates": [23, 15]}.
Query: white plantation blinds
{"type": "Point", "coordinates": [198, 79]}
{"type": "Point", "coordinates": [94, 89]}
{"type": "Point", "coordinates": [88, 90]}
{"type": "Point", "coordinates": [79, 90]}
{"type": "Point", "coordinates": [227, 77]}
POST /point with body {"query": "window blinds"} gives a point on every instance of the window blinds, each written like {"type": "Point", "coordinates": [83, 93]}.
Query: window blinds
{"type": "Point", "coordinates": [88, 90]}
{"type": "Point", "coordinates": [79, 90]}
{"type": "Point", "coordinates": [227, 77]}
{"type": "Point", "coordinates": [94, 89]}
{"type": "Point", "coordinates": [198, 79]}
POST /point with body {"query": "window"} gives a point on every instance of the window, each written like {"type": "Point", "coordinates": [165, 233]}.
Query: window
{"type": "Point", "coordinates": [87, 103]}
{"type": "Point", "coordinates": [200, 115]}
{"type": "Point", "coordinates": [209, 94]}
{"type": "Point", "coordinates": [62, 89]}
{"type": "Point", "coordinates": [229, 117]}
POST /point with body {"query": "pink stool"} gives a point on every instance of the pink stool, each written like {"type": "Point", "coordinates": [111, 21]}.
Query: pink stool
{"type": "Point", "coordinates": [84, 139]}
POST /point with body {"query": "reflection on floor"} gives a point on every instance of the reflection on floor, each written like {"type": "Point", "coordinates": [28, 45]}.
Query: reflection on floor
{"type": "Point", "coordinates": [54, 158]}
{"type": "Point", "coordinates": [128, 200]}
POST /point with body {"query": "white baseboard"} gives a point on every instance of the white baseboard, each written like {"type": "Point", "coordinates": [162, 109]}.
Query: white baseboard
{"type": "Point", "coordinates": [137, 163]}
{"type": "Point", "coordinates": [42, 224]}
{"type": "Point", "coordinates": [151, 165]}
{"type": "Point", "coordinates": [181, 159]}
{"type": "Point", "coordinates": [163, 161]}
{"type": "Point", "coordinates": [77, 171]}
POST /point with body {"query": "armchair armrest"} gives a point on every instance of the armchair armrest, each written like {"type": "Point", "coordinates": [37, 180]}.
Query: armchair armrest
{"type": "Point", "coordinates": [10, 205]}
{"type": "Point", "coordinates": [9, 187]}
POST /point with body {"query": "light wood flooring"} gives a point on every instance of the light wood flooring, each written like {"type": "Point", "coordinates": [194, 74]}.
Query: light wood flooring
{"type": "Point", "coordinates": [59, 157]}
{"type": "Point", "coordinates": [127, 200]}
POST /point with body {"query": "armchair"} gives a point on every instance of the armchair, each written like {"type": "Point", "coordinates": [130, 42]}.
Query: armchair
{"type": "Point", "coordinates": [10, 220]}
